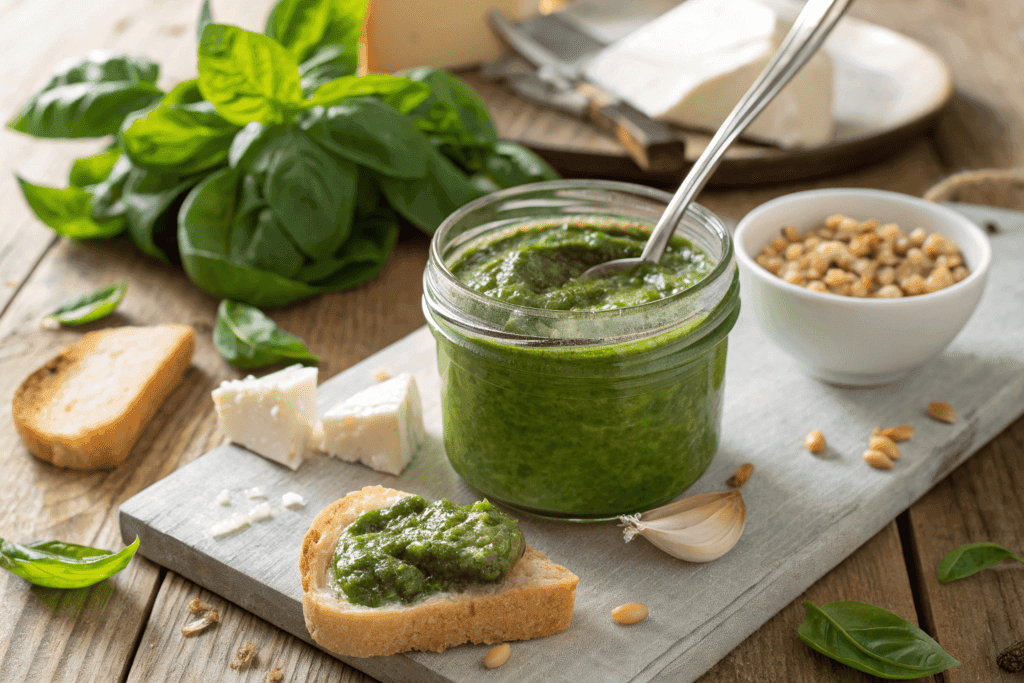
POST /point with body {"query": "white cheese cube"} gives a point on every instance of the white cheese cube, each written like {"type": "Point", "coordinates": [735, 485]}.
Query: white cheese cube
{"type": "Point", "coordinates": [380, 427]}
{"type": "Point", "coordinates": [694, 63]}
{"type": "Point", "coordinates": [273, 415]}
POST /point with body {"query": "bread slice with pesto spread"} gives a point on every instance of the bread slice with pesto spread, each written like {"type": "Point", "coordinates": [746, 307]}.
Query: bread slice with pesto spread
{"type": "Point", "coordinates": [535, 599]}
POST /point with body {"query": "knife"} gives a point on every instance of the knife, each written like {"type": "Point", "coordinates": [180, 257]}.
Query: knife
{"type": "Point", "coordinates": [559, 51]}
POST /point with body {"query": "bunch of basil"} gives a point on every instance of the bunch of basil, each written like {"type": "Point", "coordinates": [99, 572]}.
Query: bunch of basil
{"type": "Point", "coordinates": [277, 173]}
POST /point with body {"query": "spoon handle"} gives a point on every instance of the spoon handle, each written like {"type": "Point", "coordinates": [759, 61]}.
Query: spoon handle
{"type": "Point", "coordinates": [809, 31]}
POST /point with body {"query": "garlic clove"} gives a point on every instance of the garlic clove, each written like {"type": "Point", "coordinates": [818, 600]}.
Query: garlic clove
{"type": "Point", "coordinates": [701, 528]}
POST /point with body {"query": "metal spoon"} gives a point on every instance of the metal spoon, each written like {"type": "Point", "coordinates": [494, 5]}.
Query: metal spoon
{"type": "Point", "coordinates": [815, 22]}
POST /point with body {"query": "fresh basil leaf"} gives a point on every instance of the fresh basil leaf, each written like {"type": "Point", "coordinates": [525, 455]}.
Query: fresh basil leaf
{"type": "Point", "coordinates": [311, 193]}
{"type": "Point", "coordinates": [205, 19]}
{"type": "Point", "coordinates": [183, 138]}
{"type": "Point", "coordinates": [513, 164]}
{"type": "Point", "coordinates": [483, 184]}
{"type": "Point", "coordinates": [186, 92]}
{"type": "Point", "coordinates": [107, 194]}
{"type": "Point", "coordinates": [69, 211]}
{"type": "Point", "coordinates": [303, 26]}
{"type": "Point", "coordinates": [258, 240]}
{"type": "Point", "coordinates": [450, 94]}
{"type": "Point", "coordinates": [89, 98]}
{"type": "Point", "coordinates": [246, 338]}
{"type": "Point", "coordinates": [394, 90]}
{"type": "Point", "coordinates": [247, 76]}
{"type": "Point", "coordinates": [362, 257]}
{"type": "Point", "coordinates": [92, 170]}
{"type": "Point", "coordinates": [91, 305]}
{"type": "Point", "coordinates": [325, 65]}
{"type": "Point", "coordinates": [372, 134]}
{"type": "Point", "coordinates": [872, 640]}
{"type": "Point", "coordinates": [63, 565]}
{"type": "Point", "coordinates": [249, 142]}
{"type": "Point", "coordinates": [151, 201]}
{"type": "Point", "coordinates": [427, 201]}
{"type": "Point", "coordinates": [204, 228]}
{"type": "Point", "coordinates": [972, 558]}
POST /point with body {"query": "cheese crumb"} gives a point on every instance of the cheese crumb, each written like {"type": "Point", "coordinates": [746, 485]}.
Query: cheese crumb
{"type": "Point", "coordinates": [381, 426]}
{"type": "Point", "coordinates": [255, 492]}
{"type": "Point", "coordinates": [290, 499]}
{"type": "Point", "coordinates": [239, 521]}
{"type": "Point", "coordinates": [223, 498]}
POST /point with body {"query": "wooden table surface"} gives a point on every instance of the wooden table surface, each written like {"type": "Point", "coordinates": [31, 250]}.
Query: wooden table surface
{"type": "Point", "coordinates": [128, 628]}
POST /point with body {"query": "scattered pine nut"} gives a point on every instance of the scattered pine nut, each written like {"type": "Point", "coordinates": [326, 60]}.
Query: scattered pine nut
{"type": "Point", "coordinates": [197, 606]}
{"type": "Point", "coordinates": [885, 445]}
{"type": "Point", "coordinates": [815, 442]}
{"type": "Point", "coordinates": [740, 476]}
{"type": "Point", "coordinates": [898, 433]}
{"type": "Point", "coordinates": [942, 411]}
{"type": "Point", "coordinates": [497, 655]}
{"type": "Point", "coordinates": [877, 459]}
{"type": "Point", "coordinates": [244, 657]}
{"type": "Point", "coordinates": [381, 375]}
{"type": "Point", "coordinates": [209, 619]}
{"type": "Point", "coordinates": [630, 613]}
{"type": "Point", "coordinates": [275, 675]}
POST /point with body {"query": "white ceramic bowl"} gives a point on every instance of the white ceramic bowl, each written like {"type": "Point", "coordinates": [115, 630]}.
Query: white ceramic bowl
{"type": "Point", "coordinates": [847, 340]}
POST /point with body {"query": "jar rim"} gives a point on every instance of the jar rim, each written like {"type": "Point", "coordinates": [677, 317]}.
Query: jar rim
{"type": "Point", "coordinates": [706, 217]}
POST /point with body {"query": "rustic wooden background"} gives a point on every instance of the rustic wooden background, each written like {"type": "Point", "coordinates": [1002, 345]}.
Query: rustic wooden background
{"type": "Point", "coordinates": [128, 628]}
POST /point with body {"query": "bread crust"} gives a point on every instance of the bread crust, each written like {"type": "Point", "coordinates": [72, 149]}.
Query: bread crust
{"type": "Point", "coordinates": [535, 599]}
{"type": "Point", "coordinates": [86, 437]}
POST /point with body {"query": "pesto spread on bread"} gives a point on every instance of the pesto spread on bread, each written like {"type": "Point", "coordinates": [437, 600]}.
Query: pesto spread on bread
{"type": "Point", "coordinates": [411, 549]}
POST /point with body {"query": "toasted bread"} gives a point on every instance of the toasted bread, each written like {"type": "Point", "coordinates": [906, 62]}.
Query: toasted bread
{"type": "Point", "coordinates": [535, 599]}
{"type": "Point", "coordinates": [86, 408]}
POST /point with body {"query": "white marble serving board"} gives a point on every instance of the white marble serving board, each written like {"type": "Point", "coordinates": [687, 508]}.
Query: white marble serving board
{"type": "Point", "coordinates": [806, 513]}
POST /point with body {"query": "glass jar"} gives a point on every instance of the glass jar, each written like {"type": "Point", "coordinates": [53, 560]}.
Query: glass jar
{"type": "Point", "coordinates": [580, 414]}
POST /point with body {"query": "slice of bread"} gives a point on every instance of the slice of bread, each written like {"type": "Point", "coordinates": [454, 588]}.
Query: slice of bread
{"type": "Point", "coordinates": [86, 408]}
{"type": "Point", "coordinates": [535, 599]}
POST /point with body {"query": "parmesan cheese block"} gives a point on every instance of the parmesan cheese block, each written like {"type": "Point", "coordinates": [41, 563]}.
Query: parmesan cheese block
{"type": "Point", "coordinates": [380, 427]}
{"type": "Point", "coordinates": [694, 63]}
{"type": "Point", "coordinates": [448, 33]}
{"type": "Point", "coordinates": [273, 415]}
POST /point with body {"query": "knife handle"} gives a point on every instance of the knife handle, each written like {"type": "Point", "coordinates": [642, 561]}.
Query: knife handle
{"type": "Point", "coordinates": [653, 145]}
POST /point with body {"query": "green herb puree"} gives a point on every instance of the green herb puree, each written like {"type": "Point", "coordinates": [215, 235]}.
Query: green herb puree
{"type": "Point", "coordinates": [538, 268]}
{"type": "Point", "coordinates": [412, 549]}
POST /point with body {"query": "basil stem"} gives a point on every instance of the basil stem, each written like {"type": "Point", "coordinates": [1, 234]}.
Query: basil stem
{"type": "Point", "coordinates": [55, 564]}
{"type": "Point", "coordinates": [91, 305]}
{"type": "Point", "coordinates": [972, 558]}
{"type": "Point", "coordinates": [872, 640]}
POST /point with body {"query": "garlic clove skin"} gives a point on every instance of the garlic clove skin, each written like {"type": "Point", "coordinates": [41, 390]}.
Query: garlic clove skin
{"type": "Point", "coordinates": [701, 528]}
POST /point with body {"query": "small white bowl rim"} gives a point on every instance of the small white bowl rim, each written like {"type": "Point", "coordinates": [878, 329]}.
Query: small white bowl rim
{"type": "Point", "coordinates": [978, 272]}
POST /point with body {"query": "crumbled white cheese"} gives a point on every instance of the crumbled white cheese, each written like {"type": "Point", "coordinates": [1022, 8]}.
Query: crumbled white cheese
{"type": "Point", "coordinates": [272, 415]}
{"type": "Point", "coordinates": [239, 521]}
{"type": "Point", "coordinates": [694, 63]}
{"type": "Point", "coordinates": [223, 498]}
{"type": "Point", "coordinates": [255, 492]}
{"type": "Point", "coordinates": [380, 427]}
{"type": "Point", "coordinates": [290, 499]}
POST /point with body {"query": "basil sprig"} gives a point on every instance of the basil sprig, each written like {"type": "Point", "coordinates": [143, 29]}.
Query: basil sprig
{"type": "Point", "coordinates": [91, 305]}
{"type": "Point", "coordinates": [872, 640]}
{"type": "Point", "coordinates": [55, 564]}
{"type": "Point", "coordinates": [247, 338]}
{"type": "Point", "coordinates": [972, 558]}
{"type": "Point", "coordinates": [277, 173]}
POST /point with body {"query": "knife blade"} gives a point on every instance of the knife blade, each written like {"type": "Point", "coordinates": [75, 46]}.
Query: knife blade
{"type": "Point", "coordinates": [558, 50]}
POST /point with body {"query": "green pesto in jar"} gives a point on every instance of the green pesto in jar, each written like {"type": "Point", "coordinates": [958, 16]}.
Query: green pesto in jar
{"type": "Point", "coordinates": [412, 549]}
{"type": "Point", "coordinates": [540, 267]}
{"type": "Point", "coordinates": [591, 430]}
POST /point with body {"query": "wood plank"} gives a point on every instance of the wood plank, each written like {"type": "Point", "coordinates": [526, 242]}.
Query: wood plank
{"type": "Point", "coordinates": [875, 574]}
{"type": "Point", "coordinates": [980, 616]}
{"type": "Point", "coordinates": [165, 654]}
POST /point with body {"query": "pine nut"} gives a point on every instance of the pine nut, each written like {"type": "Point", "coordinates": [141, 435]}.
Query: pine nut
{"type": "Point", "coordinates": [791, 233]}
{"type": "Point", "coordinates": [740, 476]}
{"type": "Point", "coordinates": [815, 442]}
{"type": "Point", "coordinates": [900, 433]}
{"type": "Point", "coordinates": [497, 655]}
{"type": "Point", "coordinates": [885, 445]}
{"type": "Point", "coordinates": [877, 459]}
{"type": "Point", "coordinates": [630, 613]}
{"type": "Point", "coordinates": [889, 292]}
{"type": "Point", "coordinates": [942, 411]}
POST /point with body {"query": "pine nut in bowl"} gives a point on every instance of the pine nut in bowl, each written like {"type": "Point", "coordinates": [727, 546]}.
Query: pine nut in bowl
{"type": "Point", "coordinates": [860, 336]}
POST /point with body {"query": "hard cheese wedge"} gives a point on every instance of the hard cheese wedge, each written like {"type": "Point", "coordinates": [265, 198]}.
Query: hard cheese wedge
{"type": "Point", "coordinates": [380, 427]}
{"type": "Point", "coordinates": [271, 415]}
{"type": "Point", "coordinates": [694, 63]}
